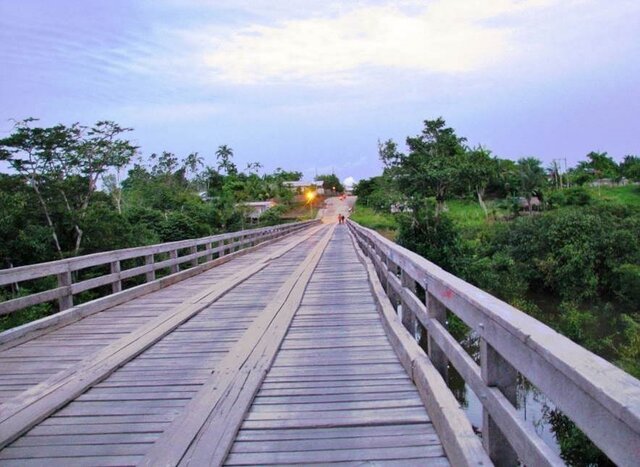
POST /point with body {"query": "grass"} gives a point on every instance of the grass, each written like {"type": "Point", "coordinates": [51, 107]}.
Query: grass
{"type": "Point", "coordinates": [383, 223]}
{"type": "Point", "coordinates": [628, 195]}
{"type": "Point", "coordinates": [466, 213]}
{"type": "Point", "coordinates": [469, 216]}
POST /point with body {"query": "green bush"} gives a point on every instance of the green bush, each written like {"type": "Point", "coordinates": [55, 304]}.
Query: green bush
{"type": "Point", "coordinates": [574, 196]}
{"type": "Point", "coordinates": [578, 325]}
{"type": "Point", "coordinates": [179, 226]}
{"type": "Point", "coordinates": [436, 239]}
{"type": "Point", "coordinates": [498, 274]}
{"type": "Point", "coordinates": [273, 216]}
{"type": "Point", "coordinates": [577, 196]}
{"type": "Point", "coordinates": [627, 283]}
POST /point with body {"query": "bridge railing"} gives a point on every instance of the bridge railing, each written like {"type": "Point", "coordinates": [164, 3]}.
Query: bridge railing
{"type": "Point", "coordinates": [170, 256]}
{"type": "Point", "coordinates": [601, 399]}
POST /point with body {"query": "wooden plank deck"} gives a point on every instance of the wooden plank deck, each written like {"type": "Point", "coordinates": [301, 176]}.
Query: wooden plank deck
{"type": "Point", "coordinates": [335, 393]}
{"type": "Point", "coordinates": [25, 363]}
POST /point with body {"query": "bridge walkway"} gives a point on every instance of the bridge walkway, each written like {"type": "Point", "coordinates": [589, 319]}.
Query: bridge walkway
{"type": "Point", "coordinates": [336, 391]}
{"type": "Point", "coordinates": [28, 361]}
{"type": "Point", "coordinates": [322, 384]}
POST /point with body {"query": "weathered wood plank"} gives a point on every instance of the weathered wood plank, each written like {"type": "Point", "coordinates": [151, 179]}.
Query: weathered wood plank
{"type": "Point", "coordinates": [362, 454]}
{"type": "Point", "coordinates": [35, 405]}
{"type": "Point", "coordinates": [223, 400]}
{"type": "Point", "coordinates": [20, 334]}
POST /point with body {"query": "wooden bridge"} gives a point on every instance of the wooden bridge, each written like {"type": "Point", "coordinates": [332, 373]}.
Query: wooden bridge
{"type": "Point", "coordinates": [307, 343]}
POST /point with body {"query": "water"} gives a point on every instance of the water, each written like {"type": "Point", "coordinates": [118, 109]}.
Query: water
{"type": "Point", "coordinates": [531, 404]}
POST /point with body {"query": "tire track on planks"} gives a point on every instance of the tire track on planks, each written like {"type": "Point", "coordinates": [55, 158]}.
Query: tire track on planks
{"type": "Point", "coordinates": [24, 411]}
{"type": "Point", "coordinates": [204, 433]}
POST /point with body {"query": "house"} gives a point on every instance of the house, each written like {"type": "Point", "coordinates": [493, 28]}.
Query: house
{"type": "Point", "coordinates": [254, 209]}
{"type": "Point", "coordinates": [535, 203]}
{"type": "Point", "coordinates": [609, 182]}
{"type": "Point", "coordinates": [302, 186]}
{"type": "Point", "coordinates": [399, 207]}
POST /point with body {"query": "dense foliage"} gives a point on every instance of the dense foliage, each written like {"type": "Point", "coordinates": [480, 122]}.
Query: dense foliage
{"type": "Point", "coordinates": [547, 242]}
{"type": "Point", "coordinates": [72, 190]}
{"type": "Point", "coordinates": [66, 194]}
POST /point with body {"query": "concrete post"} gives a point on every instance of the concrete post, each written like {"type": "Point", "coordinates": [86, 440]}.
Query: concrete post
{"type": "Point", "coordinates": [497, 372]}
{"type": "Point", "coordinates": [438, 312]}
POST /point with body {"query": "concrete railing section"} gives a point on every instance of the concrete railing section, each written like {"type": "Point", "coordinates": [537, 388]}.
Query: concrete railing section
{"type": "Point", "coordinates": [198, 254]}
{"type": "Point", "coordinates": [601, 399]}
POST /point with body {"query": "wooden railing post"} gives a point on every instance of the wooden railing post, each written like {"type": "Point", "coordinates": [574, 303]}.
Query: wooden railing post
{"type": "Point", "coordinates": [393, 296]}
{"type": "Point", "coordinates": [173, 254]}
{"type": "Point", "coordinates": [116, 286]}
{"type": "Point", "coordinates": [408, 318]}
{"type": "Point", "coordinates": [209, 247]}
{"type": "Point", "coordinates": [497, 372]}
{"type": "Point", "coordinates": [150, 275]}
{"type": "Point", "coordinates": [221, 246]}
{"type": "Point", "coordinates": [193, 250]}
{"type": "Point", "coordinates": [64, 280]}
{"type": "Point", "coordinates": [438, 312]}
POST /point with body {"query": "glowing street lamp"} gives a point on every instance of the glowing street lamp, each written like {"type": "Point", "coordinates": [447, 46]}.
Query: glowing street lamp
{"type": "Point", "coordinates": [311, 195]}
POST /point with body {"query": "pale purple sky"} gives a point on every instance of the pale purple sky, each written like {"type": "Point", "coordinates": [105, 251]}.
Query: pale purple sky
{"type": "Point", "coordinates": [312, 85]}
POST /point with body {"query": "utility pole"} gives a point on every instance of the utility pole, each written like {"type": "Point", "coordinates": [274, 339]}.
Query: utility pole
{"type": "Point", "coordinates": [557, 174]}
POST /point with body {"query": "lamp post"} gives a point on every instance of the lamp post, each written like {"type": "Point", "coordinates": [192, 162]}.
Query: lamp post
{"type": "Point", "coordinates": [310, 197]}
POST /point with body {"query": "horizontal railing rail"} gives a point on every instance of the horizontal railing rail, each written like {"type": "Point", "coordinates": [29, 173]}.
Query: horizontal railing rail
{"type": "Point", "coordinates": [601, 399]}
{"type": "Point", "coordinates": [194, 252]}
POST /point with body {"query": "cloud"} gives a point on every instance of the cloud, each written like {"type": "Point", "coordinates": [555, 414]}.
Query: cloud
{"type": "Point", "coordinates": [349, 182]}
{"type": "Point", "coordinates": [445, 36]}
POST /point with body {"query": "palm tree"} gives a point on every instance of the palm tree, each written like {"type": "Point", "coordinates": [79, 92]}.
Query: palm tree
{"type": "Point", "coordinates": [224, 154]}
{"type": "Point", "coordinates": [532, 178]}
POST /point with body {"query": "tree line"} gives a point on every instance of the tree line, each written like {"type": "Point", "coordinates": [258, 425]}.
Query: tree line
{"type": "Point", "coordinates": [439, 165]}
{"type": "Point", "coordinates": [76, 189]}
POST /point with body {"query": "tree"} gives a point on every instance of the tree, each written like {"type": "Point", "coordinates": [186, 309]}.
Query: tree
{"type": "Point", "coordinates": [432, 165]}
{"type": "Point", "coordinates": [330, 182]}
{"type": "Point", "coordinates": [66, 162]}
{"type": "Point", "coordinates": [164, 164]}
{"type": "Point", "coordinates": [532, 178]}
{"type": "Point", "coordinates": [630, 168]}
{"type": "Point", "coordinates": [254, 167]}
{"type": "Point", "coordinates": [506, 182]}
{"type": "Point", "coordinates": [192, 162]}
{"type": "Point", "coordinates": [213, 181]}
{"type": "Point", "coordinates": [101, 150]}
{"type": "Point", "coordinates": [287, 176]}
{"type": "Point", "coordinates": [598, 165]}
{"type": "Point", "coordinates": [224, 155]}
{"type": "Point", "coordinates": [603, 166]}
{"type": "Point", "coordinates": [478, 169]}
{"type": "Point", "coordinates": [31, 153]}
